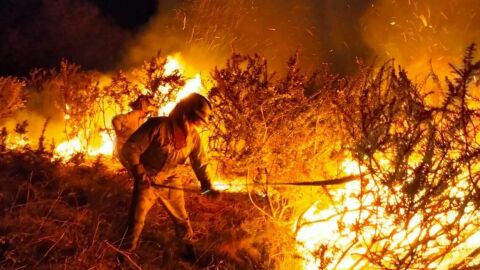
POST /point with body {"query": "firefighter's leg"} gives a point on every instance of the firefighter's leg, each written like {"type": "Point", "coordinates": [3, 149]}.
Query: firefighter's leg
{"type": "Point", "coordinates": [174, 202]}
{"type": "Point", "coordinates": [142, 201]}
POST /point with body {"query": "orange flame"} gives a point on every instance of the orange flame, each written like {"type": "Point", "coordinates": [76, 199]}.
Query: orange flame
{"type": "Point", "coordinates": [68, 148]}
{"type": "Point", "coordinates": [321, 227]}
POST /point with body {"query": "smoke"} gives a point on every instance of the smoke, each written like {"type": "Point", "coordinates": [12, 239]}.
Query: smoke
{"type": "Point", "coordinates": [324, 31]}
{"type": "Point", "coordinates": [107, 35]}
{"type": "Point", "coordinates": [38, 33]}
{"type": "Point", "coordinates": [207, 32]}
{"type": "Point", "coordinates": [416, 32]}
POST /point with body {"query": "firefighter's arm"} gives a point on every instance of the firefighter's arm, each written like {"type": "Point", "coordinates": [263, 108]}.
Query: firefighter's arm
{"type": "Point", "coordinates": [116, 123]}
{"type": "Point", "coordinates": [136, 145]}
{"type": "Point", "coordinates": [199, 161]}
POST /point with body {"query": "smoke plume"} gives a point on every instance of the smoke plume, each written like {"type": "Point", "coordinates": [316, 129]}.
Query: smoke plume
{"type": "Point", "coordinates": [415, 32]}
{"type": "Point", "coordinates": [207, 32]}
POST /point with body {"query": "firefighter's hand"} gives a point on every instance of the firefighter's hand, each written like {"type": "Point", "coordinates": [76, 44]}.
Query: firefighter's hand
{"type": "Point", "coordinates": [147, 180]}
{"type": "Point", "coordinates": [211, 193]}
{"type": "Point", "coordinates": [139, 174]}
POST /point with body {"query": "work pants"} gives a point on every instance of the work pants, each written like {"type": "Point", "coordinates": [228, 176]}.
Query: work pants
{"type": "Point", "coordinates": [171, 196]}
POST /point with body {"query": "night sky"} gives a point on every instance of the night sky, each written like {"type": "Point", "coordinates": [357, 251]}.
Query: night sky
{"type": "Point", "coordinates": [100, 34]}
{"type": "Point", "coordinates": [38, 33]}
{"type": "Point", "coordinates": [126, 13]}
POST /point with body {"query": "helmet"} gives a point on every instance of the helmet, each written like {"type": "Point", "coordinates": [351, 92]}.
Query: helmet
{"type": "Point", "coordinates": [193, 107]}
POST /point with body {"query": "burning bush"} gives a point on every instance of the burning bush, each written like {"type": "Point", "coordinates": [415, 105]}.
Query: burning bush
{"type": "Point", "coordinates": [266, 125]}
{"type": "Point", "coordinates": [273, 129]}
{"type": "Point", "coordinates": [416, 157]}
{"type": "Point", "coordinates": [12, 96]}
{"type": "Point", "coordinates": [84, 102]}
{"type": "Point", "coordinates": [415, 207]}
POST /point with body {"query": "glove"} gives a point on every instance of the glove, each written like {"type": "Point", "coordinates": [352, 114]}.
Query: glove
{"type": "Point", "coordinates": [211, 193]}
{"type": "Point", "coordinates": [139, 174]}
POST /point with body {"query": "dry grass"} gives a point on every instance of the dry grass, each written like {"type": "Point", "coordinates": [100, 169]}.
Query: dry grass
{"type": "Point", "coordinates": [56, 216]}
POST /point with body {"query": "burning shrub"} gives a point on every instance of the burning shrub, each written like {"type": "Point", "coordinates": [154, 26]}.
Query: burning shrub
{"type": "Point", "coordinates": [159, 77]}
{"type": "Point", "coordinates": [275, 129]}
{"type": "Point", "coordinates": [120, 91]}
{"type": "Point", "coordinates": [87, 100]}
{"type": "Point", "coordinates": [73, 93]}
{"type": "Point", "coordinates": [264, 125]}
{"type": "Point", "coordinates": [12, 96]}
{"type": "Point", "coordinates": [416, 206]}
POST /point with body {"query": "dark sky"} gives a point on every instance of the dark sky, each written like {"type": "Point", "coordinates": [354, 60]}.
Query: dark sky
{"type": "Point", "coordinates": [101, 34]}
{"type": "Point", "coordinates": [38, 33]}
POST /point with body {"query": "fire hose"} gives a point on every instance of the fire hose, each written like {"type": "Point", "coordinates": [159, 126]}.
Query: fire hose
{"type": "Point", "coordinates": [319, 183]}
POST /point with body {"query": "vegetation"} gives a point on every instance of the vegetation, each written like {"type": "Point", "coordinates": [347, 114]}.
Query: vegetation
{"type": "Point", "coordinates": [414, 145]}
{"type": "Point", "coordinates": [12, 96]}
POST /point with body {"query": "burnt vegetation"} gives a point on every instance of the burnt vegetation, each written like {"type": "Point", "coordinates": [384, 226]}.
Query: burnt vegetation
{"type": "Point", "coordinates": [415, 144]}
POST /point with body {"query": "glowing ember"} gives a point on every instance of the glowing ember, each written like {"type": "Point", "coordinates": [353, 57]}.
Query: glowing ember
{"type": "Point", "coordinates": [67, 109]}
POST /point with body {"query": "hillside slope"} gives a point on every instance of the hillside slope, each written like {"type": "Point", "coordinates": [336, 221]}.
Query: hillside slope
{"type": "Point", "coordinates": [72, 216]}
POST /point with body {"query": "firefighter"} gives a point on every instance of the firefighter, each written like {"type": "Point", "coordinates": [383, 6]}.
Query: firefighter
{"type": "Point", "coordinates": [125, 124]}
{"type": "Point", "coordinates": [154, 155]}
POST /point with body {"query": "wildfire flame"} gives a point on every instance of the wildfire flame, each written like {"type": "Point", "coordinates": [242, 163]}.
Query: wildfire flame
{"type": "Point", "coordinates": [230, 185]}
{"type": "Point", "coordinates": [66, 149]}
{"type": "Point", "coordinates": [191, 86]}
{"type": "Point", "coordinates": [320, 227]}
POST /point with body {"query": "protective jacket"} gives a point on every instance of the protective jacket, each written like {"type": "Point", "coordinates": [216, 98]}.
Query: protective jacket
{"type": "Point", "coordinates": [152, 147]}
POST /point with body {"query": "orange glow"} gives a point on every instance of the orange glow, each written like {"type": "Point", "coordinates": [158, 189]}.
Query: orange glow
{"type": "Point", "coordinates": [192, 85]}
{"type": "Point", "coordinates": [68, 148]}
{"type": "Point", "coordinates": [230, 185]}
{"type": "Point", "coordinates": [322, 226]}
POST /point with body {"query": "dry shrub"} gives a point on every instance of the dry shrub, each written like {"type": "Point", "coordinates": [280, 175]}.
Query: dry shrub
{"type": "Point", "coordinates": [84, 102]}
{"type": "Point", "coordinates": [271, 128]}
{"type": "Point", "coordinates": [267, 125]}
{"type": "Point", "coordinates": [418, 203]}
{"type": "Point", "coordinates": [12, 96]}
